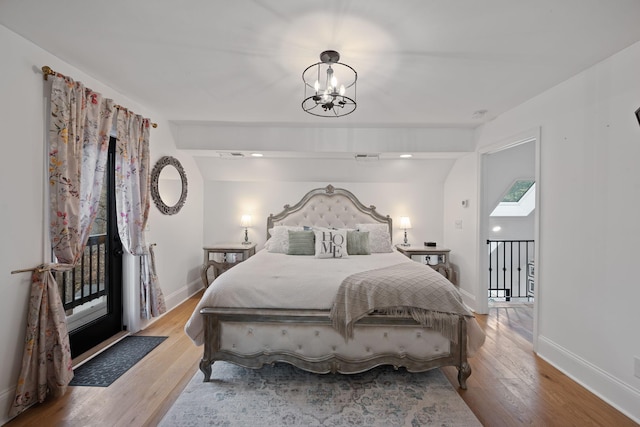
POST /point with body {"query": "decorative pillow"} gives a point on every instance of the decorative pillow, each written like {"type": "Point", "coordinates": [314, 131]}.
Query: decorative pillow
{"type": "Point", "coordinates": [331, 244]}
{"type": "Point", "coordinates": [279, 240]}
{"type": "Point", "coordinates": [301, 243]}
{"type": "Point", "coordinates": [358, 243]}
{"type": "Point", "coordinates": [379, 238]}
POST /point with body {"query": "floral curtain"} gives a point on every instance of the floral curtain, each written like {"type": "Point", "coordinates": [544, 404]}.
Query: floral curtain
{"type": "Point", "coordinates": [132, 179]}
{"type": "Point", "coordinates": [80, 123]}
{"type": "Point", "coordinates": [151, 297]}
{"type": "Point", "coordinates": [133, 201]}
{"type": "Point", "coordinates": [78, 147]}
{"type": "Point", "coordinates": [46, 365]}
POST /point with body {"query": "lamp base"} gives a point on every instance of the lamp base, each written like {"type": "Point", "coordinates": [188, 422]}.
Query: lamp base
{"type": "Point", "coordinates": [246, 243]}
{"type": "Point", "coordinates": [406, 242]}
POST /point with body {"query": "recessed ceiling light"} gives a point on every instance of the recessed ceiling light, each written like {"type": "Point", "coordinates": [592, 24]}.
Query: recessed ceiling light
{"type": "Point", "coordinates": [496, 228]}
{"type": "Point", "coordinates": [406, 156]}
{"type": "Point", "coordinates": [256, 154]}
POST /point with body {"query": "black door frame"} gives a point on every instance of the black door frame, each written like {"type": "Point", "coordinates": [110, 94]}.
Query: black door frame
{"type": "Point", "coordinates": [103, 328]}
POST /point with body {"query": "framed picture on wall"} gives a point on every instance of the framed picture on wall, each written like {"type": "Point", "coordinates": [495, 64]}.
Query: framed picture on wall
{"type": "Point", "coordinates": [530, 286]}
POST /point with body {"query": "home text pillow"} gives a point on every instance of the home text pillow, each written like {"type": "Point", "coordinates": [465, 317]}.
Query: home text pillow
{"type": "Point", "coordinates": [301, 243]}
{"type": "Point", "coordinates": [379, 238]}
{"type": "Point", "coordinates": [279, 240]}
{"type": "Point", "coordinates": [358, 242]}
{"type": "Point", "coordinates": [331, 244]}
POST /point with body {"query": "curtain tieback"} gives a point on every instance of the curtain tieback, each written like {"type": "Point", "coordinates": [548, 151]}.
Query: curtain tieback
{"type": "Point", "coordinates": [54, 267]}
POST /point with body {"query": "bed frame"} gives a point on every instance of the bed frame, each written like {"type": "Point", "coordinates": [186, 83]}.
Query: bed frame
{"type": "Point", "coordinates": [305, 338]}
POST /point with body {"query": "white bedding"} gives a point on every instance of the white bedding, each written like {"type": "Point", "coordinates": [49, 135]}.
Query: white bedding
{"type": "Point", "coordinates": [275, 280]}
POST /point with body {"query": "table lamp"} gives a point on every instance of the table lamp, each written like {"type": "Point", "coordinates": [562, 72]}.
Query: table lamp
{"type": "Point", "coordinates": [245, 221]}
{"type": "Point", "coordinates": [405, 222]}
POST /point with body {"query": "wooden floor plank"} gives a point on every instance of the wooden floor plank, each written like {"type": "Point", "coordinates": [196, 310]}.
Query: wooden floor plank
{"type": "Point", "coordinates": [509, 386]}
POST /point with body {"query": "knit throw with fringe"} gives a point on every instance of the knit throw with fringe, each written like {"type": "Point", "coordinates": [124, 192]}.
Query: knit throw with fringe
{"type": "Point", "coordinates": [405, 289]}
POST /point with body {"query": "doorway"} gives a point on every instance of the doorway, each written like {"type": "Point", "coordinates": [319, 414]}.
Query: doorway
{"type": "Point", "coordinates": [92, 292]}
{"type": "Point", "coordinates": [509, 227]}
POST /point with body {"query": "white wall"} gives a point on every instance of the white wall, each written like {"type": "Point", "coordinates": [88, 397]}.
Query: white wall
{"type": "Point", "coordinates": [179, 254]}
{"type": "Point", "coordinates": [461, 185]}
{"type": "Point", "coordinates": [322, 138]}
{"type": "Point", "coordinates": [263, 186]}
{"type": "Point", "coordinates": [589, 190]}
{"type": "Point", "coordinates": [178, 237]}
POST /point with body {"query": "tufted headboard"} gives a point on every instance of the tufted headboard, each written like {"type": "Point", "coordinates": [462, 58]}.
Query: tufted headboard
{"type": "Point", "coordinates": [328, 207]}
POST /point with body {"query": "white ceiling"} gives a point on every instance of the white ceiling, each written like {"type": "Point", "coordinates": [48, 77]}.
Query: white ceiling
{"type": "Point", "coordinates": [419, 63]}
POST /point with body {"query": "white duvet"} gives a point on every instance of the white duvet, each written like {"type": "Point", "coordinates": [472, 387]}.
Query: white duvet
{"type": "Point", "coordinates": [275, 280]}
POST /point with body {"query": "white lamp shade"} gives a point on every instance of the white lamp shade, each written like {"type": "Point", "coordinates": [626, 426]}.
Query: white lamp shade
{"type": "Point", "coordinates": [405, 222]}
{"type": "Point", "coordinates": [245, 221]}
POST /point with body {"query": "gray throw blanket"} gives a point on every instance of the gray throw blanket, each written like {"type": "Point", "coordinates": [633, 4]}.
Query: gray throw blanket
{"type": "Point", "coordinates": [409, 288]}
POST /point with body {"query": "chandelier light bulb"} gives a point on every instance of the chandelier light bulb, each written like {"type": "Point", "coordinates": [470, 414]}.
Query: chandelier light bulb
{"type": "Point", "coordinates": [334, 81]}
{"type": "Point", "coordinates": [342, 90]}
{"type": "Point", "coordinates": [316, 86]}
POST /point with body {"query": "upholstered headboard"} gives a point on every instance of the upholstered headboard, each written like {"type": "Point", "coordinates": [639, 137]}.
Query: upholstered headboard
{"type": "Point", "coordinates": [328, 207]}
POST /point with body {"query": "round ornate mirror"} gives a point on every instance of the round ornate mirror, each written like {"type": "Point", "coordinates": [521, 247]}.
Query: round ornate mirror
{"type": "Point", "coordinates": [168, 199]}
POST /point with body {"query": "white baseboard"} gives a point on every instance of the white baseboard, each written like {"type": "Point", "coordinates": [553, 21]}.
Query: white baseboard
{"type": "Point", "coordinates": [6, 399]}
{"type": "Point", "coordinates": [616, 393]}
{"type": "Point", "coordinates": [173, 300]}
{"type": "Point", "coordinates": [179, 296]}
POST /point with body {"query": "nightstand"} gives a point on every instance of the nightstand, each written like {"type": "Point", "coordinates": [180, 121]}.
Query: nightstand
{"type": "Point", "coordinates": [223, 256]}
{"type": "Point", "coordinates": [434, 256]}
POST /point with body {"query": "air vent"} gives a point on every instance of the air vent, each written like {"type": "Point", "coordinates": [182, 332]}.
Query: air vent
{"type": "Point", "coordinates": [231, 155]}
{"type": "Point", "coordinates": [367, 157]}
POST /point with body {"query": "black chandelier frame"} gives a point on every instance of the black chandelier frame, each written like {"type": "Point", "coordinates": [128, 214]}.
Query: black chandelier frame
{"type": "Point", "coordinates": [333, 104]}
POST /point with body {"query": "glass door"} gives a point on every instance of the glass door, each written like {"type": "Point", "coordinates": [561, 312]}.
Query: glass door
{"type": "Point", "coordinates": [92, 292]}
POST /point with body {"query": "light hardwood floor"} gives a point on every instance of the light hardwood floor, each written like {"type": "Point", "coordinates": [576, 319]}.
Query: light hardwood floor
{"type": "Point", "coordinates": [509, 385]}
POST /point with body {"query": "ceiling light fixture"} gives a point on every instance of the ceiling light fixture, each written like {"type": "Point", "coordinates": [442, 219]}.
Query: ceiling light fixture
{"type": "Point", "coordinates": [406, 156]}
{"type": "Point", "coordinates": [326, 84]}
{"type": "Point", "coordinates": [256, 154]}
{"type": "Point", "coordinates": [479, 114]}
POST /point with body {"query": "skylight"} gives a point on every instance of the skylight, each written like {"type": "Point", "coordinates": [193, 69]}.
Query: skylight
{"type": "Point", "coordinates": [520, 200]}
{"type": "Point", "coordinates": [518, 190]}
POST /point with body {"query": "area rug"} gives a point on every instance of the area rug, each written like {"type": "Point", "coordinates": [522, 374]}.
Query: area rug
{"type": "Point", "coordinates": [108, 366]}
{"type": "Point", "coordinates": [282, 395]}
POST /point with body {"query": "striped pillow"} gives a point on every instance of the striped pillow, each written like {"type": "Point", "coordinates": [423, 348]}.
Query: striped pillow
{"type": "Point", "coordinates": [301, 243]}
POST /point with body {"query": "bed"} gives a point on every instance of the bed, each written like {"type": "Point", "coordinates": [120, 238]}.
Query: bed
{"type": "Point", "coordinates": [279, 307]}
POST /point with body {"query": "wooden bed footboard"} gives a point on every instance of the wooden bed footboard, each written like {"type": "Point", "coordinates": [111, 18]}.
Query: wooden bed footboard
{"type": "Point", "coordinates": [416, 348]}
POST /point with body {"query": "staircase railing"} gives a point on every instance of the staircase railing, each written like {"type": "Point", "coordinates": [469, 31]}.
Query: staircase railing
{"type": "Point", "coordinates": [510, 269]}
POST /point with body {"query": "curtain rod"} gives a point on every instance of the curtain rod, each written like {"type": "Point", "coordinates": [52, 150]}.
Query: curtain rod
{"type": "Point", "coordinates": [47, 71]}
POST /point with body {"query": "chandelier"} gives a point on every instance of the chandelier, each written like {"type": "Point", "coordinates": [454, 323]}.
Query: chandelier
{"type": "Point", "coordinates": [329, 87]}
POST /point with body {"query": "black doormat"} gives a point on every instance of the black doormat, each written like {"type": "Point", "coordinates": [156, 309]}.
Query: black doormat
{"type": "Point", "coordinates": [105, 368]}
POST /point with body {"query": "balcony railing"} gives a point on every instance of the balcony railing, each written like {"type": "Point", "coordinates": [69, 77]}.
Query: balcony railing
{"type": "Point", "coordinates": [510, 269]}
{"type": "Point", "coordinates": [86, 282]}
